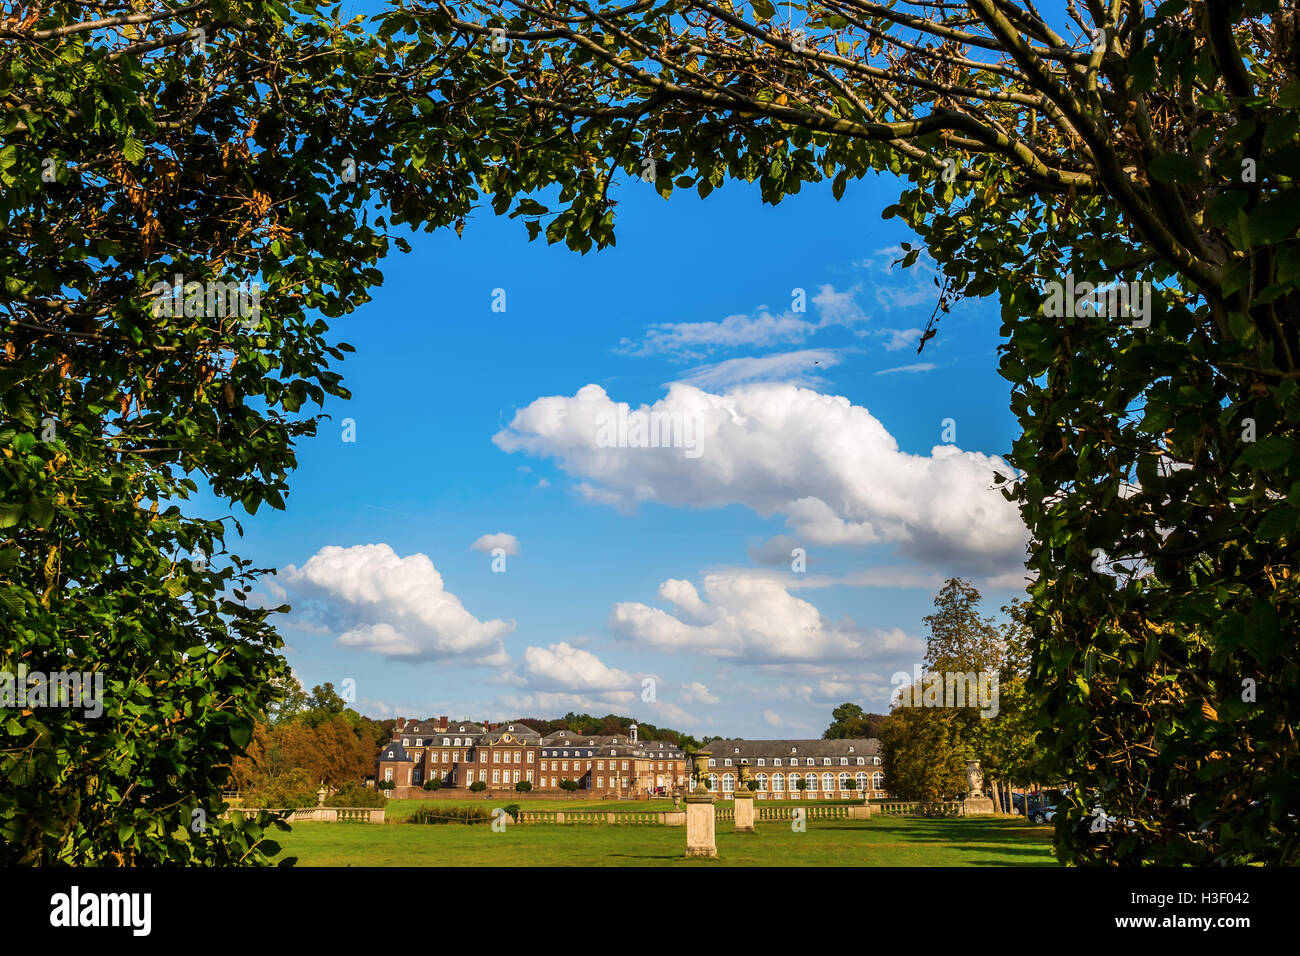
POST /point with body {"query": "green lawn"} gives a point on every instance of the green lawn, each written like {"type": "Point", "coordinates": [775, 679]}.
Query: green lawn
{"type": "Point", "coordinates": [881, 841]}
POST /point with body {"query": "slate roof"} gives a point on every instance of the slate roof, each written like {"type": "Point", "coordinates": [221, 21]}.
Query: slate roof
{"type": "Point", "coordinates": [394, 751]}
{"type": "Point", "coordinates": [735, 750]}
{"type": "Point", "coordinates": [520, 732]}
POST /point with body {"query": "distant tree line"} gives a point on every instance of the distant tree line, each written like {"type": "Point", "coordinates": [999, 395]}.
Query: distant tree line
{"type": "Point", "coordinates": [610, 725]}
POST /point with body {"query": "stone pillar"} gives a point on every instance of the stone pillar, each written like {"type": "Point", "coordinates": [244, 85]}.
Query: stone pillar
{"type": "Point", "coordinates": [744, 812]}
{"type": "Point", "coordinates": [699, 825]}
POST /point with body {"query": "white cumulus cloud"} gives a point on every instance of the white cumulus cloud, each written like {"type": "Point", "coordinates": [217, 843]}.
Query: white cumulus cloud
{"type": "Point", "coordinates": [395, 606]}
{"type": "Point", "coordinates": [754, 619]}
{"type": "Point", "coordinates": [489, 542]}
{"type": "Point", "coordinates": [696, 692]}
{"type": "Point", "coordinates": [562, 667]}
{"type": "Point", "coordinates": [829, 466]}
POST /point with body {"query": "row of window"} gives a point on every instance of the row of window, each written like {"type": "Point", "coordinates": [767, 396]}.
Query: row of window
{"type": "Point", "coordinates": [794, 762]}
{"type": "Point", "coordinates": [446, 742]}
{"type": "Point", "coordinates": [498, 756]}
{"type": "Point", "coordinates": [600, 765]}
{"type": "Point", "coordinates": [453, 756]}
{"type": "Point", "coordinates": [513, 776]}
{"type": "Point", "coordinates": [779, 781]}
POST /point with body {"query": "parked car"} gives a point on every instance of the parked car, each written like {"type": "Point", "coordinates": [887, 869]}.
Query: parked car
{"type": "Point", "coordinates": [1042, 815]}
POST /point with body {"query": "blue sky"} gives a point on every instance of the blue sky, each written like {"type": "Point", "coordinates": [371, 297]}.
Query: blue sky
{"type": "Point", "coordinates": [633, 563]}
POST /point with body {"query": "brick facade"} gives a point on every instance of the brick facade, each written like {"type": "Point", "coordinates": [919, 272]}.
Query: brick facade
{"type": "Point", "coordinates": [460, 753]}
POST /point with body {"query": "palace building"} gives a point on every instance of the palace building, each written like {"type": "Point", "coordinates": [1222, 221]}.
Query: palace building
{"type": "Point", "coordinates": [824, 767]}
{"type": "Point", "coordinates": [461, 753]}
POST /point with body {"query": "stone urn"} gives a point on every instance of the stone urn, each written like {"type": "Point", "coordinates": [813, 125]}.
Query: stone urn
{"type": "Point", "coordinates": [746, 777]}
{"type": "Point", "coordinates": [700, 772]}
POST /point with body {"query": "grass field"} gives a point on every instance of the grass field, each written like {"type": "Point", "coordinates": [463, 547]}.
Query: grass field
{"type": "Point", "coordinates": [881, 841]}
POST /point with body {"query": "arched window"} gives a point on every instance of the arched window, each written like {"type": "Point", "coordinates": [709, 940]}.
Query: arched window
{"type": "Point", "coordinates": [812, 781]}
{"type": "Point", "coordinates": [828, 782]}
{"type": "Point", "coordinates": [728, 782]}
{"type": "Point", "coordinates": [844, 781]}
{"type": "Point", "coordinates": [778, 783]}
{"type": "Point", "coordinates": [877, 781]}
{"type": "Point", "coordinates": [713, 782]}
{"type": "Point", "coordinates": [794, 783]}
{"type": "Point", "coordinates": [762, 781]}
{"type": "Point", "coordinates": [861, 781]}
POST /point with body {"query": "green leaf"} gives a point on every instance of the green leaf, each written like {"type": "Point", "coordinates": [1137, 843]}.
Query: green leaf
{"type": "Point", "coordinates": [1275, 219]}
{"type": "Point", "coordinates": [1279, 522]}
{"type": "Point", "coordinates": [132, 150]}
{"type": "Point", "coordinates": [1175, 168]}
{"type": "Point", "coordinates": [1268, 454]}
{"type": "Point", "coordinates": [40, 510]}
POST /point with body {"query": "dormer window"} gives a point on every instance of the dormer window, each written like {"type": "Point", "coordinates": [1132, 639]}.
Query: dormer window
{"type": "Point", "coordinates": [850, 750]}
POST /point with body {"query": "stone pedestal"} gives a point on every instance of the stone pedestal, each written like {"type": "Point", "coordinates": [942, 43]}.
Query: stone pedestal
{"type": "Point", "coordinates": [976, 805]}
{"type": "Point", "coordinates": [744, 812]}
{"type": "Point", "coordinates": [699, 825]}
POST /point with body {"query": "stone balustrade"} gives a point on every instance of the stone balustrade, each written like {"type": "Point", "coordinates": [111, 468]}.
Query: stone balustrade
{"type": "Point", "coordinates": [670, 818]}
{"type": "Point", "coordinates": [321, 814]}
{"type": "Point", "coordinates": [948, 808]}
